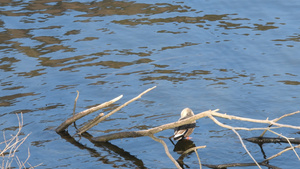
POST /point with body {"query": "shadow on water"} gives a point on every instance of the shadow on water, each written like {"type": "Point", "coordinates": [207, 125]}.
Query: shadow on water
{"type": "Point", "coordinates": [105, 146]}
{"type": "Point", "coordinates": [180, 147]}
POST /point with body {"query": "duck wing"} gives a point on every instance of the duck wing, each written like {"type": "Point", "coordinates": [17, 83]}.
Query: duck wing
{"type": "Point", "coordinates": [183, 131]}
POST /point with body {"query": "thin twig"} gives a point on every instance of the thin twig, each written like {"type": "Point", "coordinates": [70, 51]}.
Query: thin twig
{"type": "Point", "coordinates": [278, 154]}
{"type": "Point", "coordinates": [244, 146]}
{"type": "Point", "coordinates": [75, 102]}
{"type": "Point", "coordinates": [28, 156]}
{"type": "Point", "coordinates": [288, 142]}
{"type": "Point", "coordinates": [230, 127]}
{"type": "Point", "coordinates": [200, 166]}
{"type": "Point", "coordinates": [11, 147]}
{"type": "Point", "coordinates": [241, 140]}
{"type": "Point", "coordinates": [74, 108]}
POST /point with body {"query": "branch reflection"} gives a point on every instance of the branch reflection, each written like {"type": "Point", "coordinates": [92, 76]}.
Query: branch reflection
{"type": "Point", "coordinates": [108, 147]}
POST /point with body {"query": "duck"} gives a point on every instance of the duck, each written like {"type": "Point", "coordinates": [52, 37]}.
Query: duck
{"type": "Point", "coordinates": [186, 130]}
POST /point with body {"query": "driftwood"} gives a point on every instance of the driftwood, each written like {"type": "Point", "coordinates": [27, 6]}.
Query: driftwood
{"type": "Point", "coordinates": [212, 114]}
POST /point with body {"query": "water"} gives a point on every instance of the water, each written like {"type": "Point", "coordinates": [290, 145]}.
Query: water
{"type": "Point", "coordinates": [239, 57]}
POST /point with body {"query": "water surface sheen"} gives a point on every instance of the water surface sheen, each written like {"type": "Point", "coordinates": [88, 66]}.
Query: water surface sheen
{"type": "Point", "coordinates": [241, 57]}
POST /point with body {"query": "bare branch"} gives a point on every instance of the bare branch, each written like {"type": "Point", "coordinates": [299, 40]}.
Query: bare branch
{"type": "Point", "coordinates": [70, 120]}
{"type": "Point", "coordinates": [241, 140]}
{"type": "Point", "coordinates": [84, 129]}
{"type": "Point", "coordinates": [152, 130]}
{"type": "Point", "coordinates": [89, 124]}
{"type": "Point", "coordinates": [277, 119]}
{"type": "Point", "coordinates": [288, 140]}
{"type": "Point", "coordinates": [166, 150]}
{"type": "Point", "coordinates": [192, 149]}
{"type": "Point", "coordinates": [200, 166]}
{"type": "Point", "coordinates": [278, 154]}
{"type": "Point", "coordinates": [11, 147]}
{"type": "Point", "coordinates": [244, 146]}
{"type": "Point", "coordinates": [75, 102]}
{"type": "Point", "coordinates": [254, 120]}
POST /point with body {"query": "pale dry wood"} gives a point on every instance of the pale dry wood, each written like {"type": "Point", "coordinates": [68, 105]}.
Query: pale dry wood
{"type": "Point", "coordinates": [79, 115]}
{"type": "Point", "coordinates": [267, 121]}
{"type": "Point", "coordinates": [151, 131]}
{"type": "Point", "coordinates": [192, 149]}
{"type": "Point", "coordinates": [84, 129]}
{"type": "Point", "coordinates": [11, 147]}
{"type": "Point", "coordinates": [13, 143]}
{"type": "Point", "coordinates": [211, 114]}
{"type": "Point", "coordinates": [236, 128]}
{"type": "Point", "coordinates": [244, 146]}
{"type": "Point", "coordinates": [185, 153]}
{"type": "Point", "coordinates": [277, 119]}
{"type": "Point", "coordinates": [280, 135]}
{"type": "Point", "coordinates": [75, 102]}
{"type": "Point", "coordinates": [240, 138]}
{"type": "Point", "coordinates": [268, 129]}
{"type": "Point", "coordinates": [278, 154]}
{"type": "Point", "coordinates": [166, 150]}
{"type": "Point", "coordinates": [89, 124]}
{"type": "Point", "coordinates": [200, 166]}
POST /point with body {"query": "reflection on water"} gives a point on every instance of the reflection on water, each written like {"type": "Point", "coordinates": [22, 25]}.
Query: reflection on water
{"type": "Point", "coordinates": [183, 145]}
{"type": "Point", "coordinates": [106, 147]}
{"type": "Point", "coordinates": [204, 55]}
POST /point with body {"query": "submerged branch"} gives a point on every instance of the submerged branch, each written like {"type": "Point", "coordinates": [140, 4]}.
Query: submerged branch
{"type": "Point", "coordinates": [261, 140]}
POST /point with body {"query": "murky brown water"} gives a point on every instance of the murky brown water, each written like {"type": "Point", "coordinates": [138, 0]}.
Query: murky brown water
{"type": "Point", "coordinates": [240, 57]}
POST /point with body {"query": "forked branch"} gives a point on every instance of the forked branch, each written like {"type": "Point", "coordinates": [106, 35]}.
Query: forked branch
{"type": "Point", "coordinates": [77, 116]}
{"type": "Point", "coordinates": [212, 114]}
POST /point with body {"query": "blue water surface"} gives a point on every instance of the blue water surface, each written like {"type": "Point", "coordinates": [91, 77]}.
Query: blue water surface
{"type": "Point", "coordinates": [241, 57]}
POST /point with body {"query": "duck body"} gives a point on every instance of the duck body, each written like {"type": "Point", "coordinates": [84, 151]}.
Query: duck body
{"type": "Point", "coordinates": [184, 131]}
